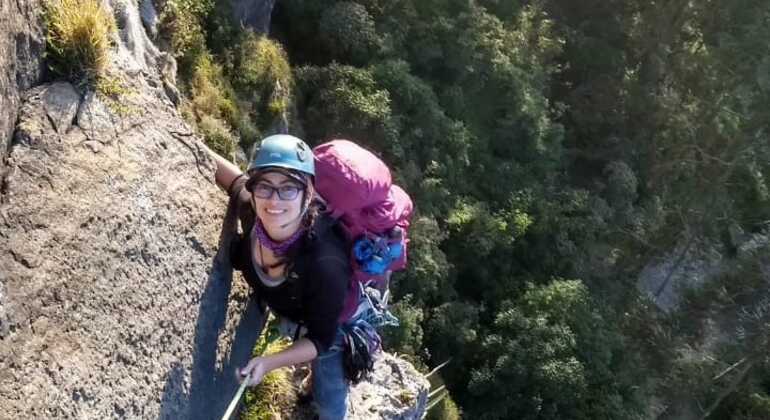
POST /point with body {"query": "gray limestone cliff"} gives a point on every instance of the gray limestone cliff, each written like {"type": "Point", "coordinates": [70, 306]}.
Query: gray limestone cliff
{"type": "Point", "coordinates": [112, 304]}
{"type": "Point", "coordinates": [21, 50]}
{"type": "Point", "coordinates": [254, 14]}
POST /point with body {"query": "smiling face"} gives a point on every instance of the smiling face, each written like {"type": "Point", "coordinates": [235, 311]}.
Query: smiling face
{"type": "Point", "coordinates": [280, 217]}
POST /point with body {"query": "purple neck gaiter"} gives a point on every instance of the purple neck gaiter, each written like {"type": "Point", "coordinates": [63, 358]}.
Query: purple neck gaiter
{"type": "Point", "coordinates": [278, 248]}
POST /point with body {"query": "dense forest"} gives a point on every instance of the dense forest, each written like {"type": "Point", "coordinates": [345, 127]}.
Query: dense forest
{"type": "Point", "coordinates": [555, 150]}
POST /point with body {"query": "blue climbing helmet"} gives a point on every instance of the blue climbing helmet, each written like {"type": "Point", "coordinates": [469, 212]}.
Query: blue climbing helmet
{"type": "Point", "coordinates": [283, 151]}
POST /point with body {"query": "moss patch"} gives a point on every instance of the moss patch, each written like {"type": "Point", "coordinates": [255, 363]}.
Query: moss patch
{"type": "Point", "coordinates": [276, 394]}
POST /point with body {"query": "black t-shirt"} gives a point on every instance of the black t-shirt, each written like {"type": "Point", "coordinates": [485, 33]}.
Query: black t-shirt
{"type": "Point", "coordinates": [317, 279]}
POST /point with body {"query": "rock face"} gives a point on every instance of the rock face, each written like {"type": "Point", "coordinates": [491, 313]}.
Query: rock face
{"type": "Point", "coordinates": [254, 14]}
{"type": "Point", "coordinates": [395, 390]}
{"type": "Point", "coordinates": [135, 50]}
{"type": "Point", "coordinates": [21, 50]}
{"type": "Point", "coordinates": [112, 305]}
{"type": "Point", "coordinates": [688, 266]}
{"type": "Point", "coordinates": [692, 264]}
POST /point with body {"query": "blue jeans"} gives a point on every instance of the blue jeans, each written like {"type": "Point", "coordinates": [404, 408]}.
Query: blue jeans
{"type": "Point", "coordinates": [330, 386]}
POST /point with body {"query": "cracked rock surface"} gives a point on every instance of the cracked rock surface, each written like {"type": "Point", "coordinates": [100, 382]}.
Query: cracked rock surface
{"type": "Point", "coordinates": [254, 14]}
{"type": "Point", "coordinates": [21, 64]}
{"type": "Point", "coordinates": [394, 390]}
{"type": "Point", "coordinates": [111, 305]}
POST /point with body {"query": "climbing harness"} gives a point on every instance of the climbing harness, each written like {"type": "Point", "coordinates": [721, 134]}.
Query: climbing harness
{"type": "Point", "coordinates": [360, 338]}
{"type": "Point", "coordinates": [358, 360]}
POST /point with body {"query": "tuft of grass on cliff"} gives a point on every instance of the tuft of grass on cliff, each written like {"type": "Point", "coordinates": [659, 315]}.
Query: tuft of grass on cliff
{"type": "Point", "coordinates": [79, 39]}
{"type": "Point", "coordinates": [276, 394]}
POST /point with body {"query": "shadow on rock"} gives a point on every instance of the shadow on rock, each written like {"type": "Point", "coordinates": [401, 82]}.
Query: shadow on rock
{"type": "Point", "coordinates": [213, 384]}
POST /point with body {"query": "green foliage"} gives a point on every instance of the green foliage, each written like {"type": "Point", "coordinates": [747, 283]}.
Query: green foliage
{"type": "Point", "coordinates": [483, 231]}
{"type": "Point", "coordinates": [521, 142]}
{"type": "Point", "coordinates": [188, 27]}
{"type": "Point", "coordinates": [112, 91]}
{"type": "Point", "coordinates": [451, 332]}
{"type": "Point", "coordinates": [78, 39]}
{"type": "Point", "coordinates": [564, 222]}
{"type": "Point", "coordinates": [427, 137]}
{"type": "Point", "coordinates": [621, 184]}
{"type": "Point", "coordinates": [497, 78]}
{"type": "Point", "coordinates": [752, 192]}
{"type": "Point", "coordinates": [246, 127]}
{"type": "Point", "coordinates": [755, 407]}
{"type": "Point", "coordinates": [539, 140]}
{"type": "Point", "coordinates": [217, 136]}
{"type": "Point", "coordinates": [347, 30]}
{"type": "Point", "coordinates": [263, 76]}
{"type": "Point", "coordinates": [211, 93]}
{"type": "Point", "coordinates": [261, 64]}
{"type": "Point", "coordinates": [407, 338]}
{"type": "Point", "coordinates": [181, 22]}
{"type": "Point", "coordinates": [344, 102]}
{"type": "Point", "coordinates": [426, 277]}
{"type": "Point", "coordinates": [549, 356]}
{"type": "Point", "coordinates": [477, 234]}
{"type": "Point", "coordinates": [222, 32]}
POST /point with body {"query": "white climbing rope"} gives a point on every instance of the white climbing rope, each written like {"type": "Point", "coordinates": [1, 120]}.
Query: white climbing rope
{"type": "Point", "coordinates": [234, 402]}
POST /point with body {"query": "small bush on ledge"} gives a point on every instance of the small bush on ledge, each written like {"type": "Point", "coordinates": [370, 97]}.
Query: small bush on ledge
{"type": "Point", "coordinates": [217, 136]}
{"type": "Point", "coordinates": [263, 75]}
{"type": "Point", "coordinates": [79, 38]}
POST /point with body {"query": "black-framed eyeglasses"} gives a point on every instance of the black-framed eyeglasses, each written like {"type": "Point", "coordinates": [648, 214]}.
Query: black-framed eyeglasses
{"type": "Point", "coordinates": [285, 192]}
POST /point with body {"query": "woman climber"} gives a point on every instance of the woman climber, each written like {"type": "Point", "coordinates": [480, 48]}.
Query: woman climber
{"type": "Point", "coordinates": [296, 262]}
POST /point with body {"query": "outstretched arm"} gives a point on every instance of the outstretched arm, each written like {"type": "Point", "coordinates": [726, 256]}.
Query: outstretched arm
{"type": "Point", "coordinates": [226, 173]}
{"type": "Point", "coordinates": [303, 350]}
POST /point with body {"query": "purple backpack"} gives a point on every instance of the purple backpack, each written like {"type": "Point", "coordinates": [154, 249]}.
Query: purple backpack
{"type": "Point", "coordinates": [358, 189]}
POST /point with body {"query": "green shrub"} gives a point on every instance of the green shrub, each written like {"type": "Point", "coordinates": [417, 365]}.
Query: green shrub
{"type": "Point", "coordinates": [407, 337]}
{"type": "Point", "coordinates": [263, 74]}
{"type": "Point", "coordinates": [344, 101]}
{"type": "Point", "coordinates": [622, 184]}
{"type": "Point", "coordinates": [181, 27]}
{"type": "Point", "coordinates": [211, 93]}
{"type": "Point", "coordinates": [427, 274]}
{"type": "Point", "coordinates": [217, 136]}
{"type": "Point", "coordinates": [247, 130]}
{"type": "Point", "coordinates": [757, 407]}
{"type": "Point", "coordinates": [213, 106]}
{"type": "Point", "coordinates": [79, 38]}
{"type": "Point", "coordinates": [112, 90]}
{"type": "Point", "coordinates": [348, 31]}
{"type": "Point", "coordinates": [266, 402]}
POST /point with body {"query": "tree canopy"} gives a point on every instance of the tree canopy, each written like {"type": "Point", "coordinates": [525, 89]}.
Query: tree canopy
{"type": "Point", "coordinates": [541, 140]}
